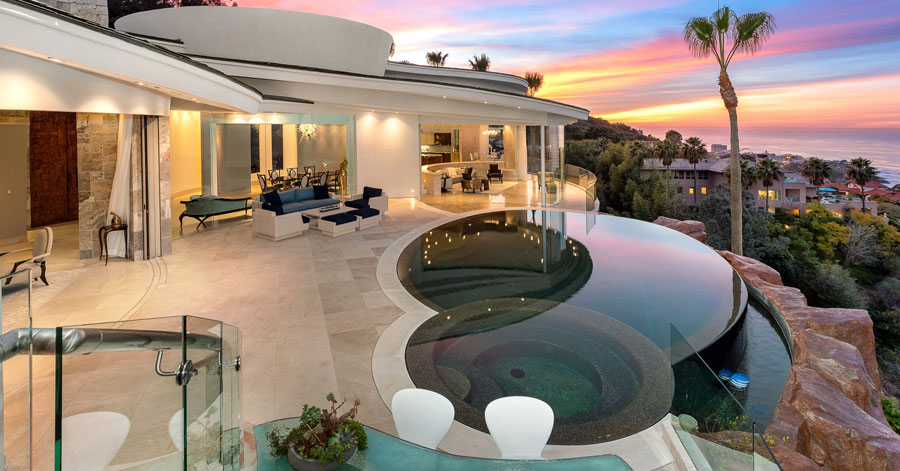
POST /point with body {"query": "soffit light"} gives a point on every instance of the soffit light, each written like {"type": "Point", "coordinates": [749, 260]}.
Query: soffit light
{"type": "Point", "coordinates": [307, 132]}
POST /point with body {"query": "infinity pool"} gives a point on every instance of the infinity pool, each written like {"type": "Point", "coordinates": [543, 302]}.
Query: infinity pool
{"type": "Point", "coordinates": [641, 274]}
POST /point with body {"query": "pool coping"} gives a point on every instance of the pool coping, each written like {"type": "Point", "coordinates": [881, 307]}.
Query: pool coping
{"type": "Point", "coordinates": [647, 449]}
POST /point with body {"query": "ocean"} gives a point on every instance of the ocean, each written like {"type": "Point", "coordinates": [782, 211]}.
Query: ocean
{"type": "Point", "coordinates": [881, 146]}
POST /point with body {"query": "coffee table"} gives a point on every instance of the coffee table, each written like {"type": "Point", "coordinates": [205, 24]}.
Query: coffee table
{"type": "Point", "coordinates": [315, 214]}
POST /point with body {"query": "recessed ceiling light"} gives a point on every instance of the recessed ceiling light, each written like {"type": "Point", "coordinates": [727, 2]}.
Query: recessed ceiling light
{"type": "Point", "coordinates": [485, 103]}
{"type": "Point", "coordinates": [57, 60]}
{"type": "Point", "coordinates": [139, 83]}
{"type": "Point", "coordinates": [445, 96]}
{"type": "Point", "coordinates": [519, 107]}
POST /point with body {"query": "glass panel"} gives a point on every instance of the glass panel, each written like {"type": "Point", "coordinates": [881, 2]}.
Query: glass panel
{"type": "Point", "coordinates": [231, 398]}
{"type": "Point", "coordinates": [710, 422]}
{"type": "Point", "coordinates": [203, 394]}
{"type": "Point", "coordinates": [16, 400]}
{"type": "Point", "coordinates": [116, 407]}
{"type": "Point", "coordinates": [763, 458]}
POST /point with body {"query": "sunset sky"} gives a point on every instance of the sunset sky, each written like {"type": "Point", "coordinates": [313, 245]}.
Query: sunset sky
{"type": "Point", "coordinates": [830, 64]}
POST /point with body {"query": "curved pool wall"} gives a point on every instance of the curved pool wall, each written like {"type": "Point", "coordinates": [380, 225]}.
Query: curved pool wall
{"type": "Point", "coordinates": [643, 275]}
{"type": "Point", "coordinates": [603, 379]}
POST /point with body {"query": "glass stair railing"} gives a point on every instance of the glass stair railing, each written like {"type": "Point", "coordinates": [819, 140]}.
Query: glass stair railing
{"type": "Point", "coordinates": [146, 394]}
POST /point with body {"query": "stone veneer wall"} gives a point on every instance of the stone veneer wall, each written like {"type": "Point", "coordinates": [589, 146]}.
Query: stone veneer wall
{"type": "Point", "coordinates": [97, 135]}
{"type": "Point", "coordinates": [92, 10]}
{"type": "Point", "coordinates": [165, 188]}
{"type": "Point", "coordinates": [831, 404]}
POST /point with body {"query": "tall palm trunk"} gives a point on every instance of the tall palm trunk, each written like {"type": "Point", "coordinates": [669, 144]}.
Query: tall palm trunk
{"type": "Point", "coordinates": [731, 102]}
{"type": "Point", "coordinates": [862, 194]}
{"type": "Point", "coordinates": [767, 199]}
{"type": "Point", "coordinates": [695, 184]}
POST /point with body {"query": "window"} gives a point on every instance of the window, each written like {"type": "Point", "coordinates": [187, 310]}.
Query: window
{"type": "Point", "coordinates": [679, 190]}
{"type": "Point", "coordinates": [691, 190]}
{"type": "Point", "coordinates": [679, 174]}
{"type": "Point", "coordinates": [703, 175]}
{"type": "Point", "coordinates": [773, 195]}
{"type": "Point", "coordinates": [702, 190]}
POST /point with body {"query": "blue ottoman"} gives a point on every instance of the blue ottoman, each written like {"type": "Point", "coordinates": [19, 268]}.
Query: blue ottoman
{"type": "Point", "coordinates": [338, 224]}
{"type": "Point", "coordinates": [368, 217]}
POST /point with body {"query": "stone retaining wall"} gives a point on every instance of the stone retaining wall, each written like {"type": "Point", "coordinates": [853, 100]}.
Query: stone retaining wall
{"type": "Point", "coordinates": [830, 408]}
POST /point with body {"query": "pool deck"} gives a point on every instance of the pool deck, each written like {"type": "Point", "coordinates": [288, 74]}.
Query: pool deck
{"type": "Point", "coordinates": [317, 314]}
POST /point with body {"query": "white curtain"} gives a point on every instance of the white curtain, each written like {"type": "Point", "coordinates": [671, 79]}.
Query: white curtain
{"type": "Point", "coordinates": [120, 196]}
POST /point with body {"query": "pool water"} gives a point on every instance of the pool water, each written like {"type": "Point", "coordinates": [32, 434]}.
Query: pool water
{"type": "Point", "coordinates": [644, 275]}
{"type": "Point", "coordinates": [603, 379]}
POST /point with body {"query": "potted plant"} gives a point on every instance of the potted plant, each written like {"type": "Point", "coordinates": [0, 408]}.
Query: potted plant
{"type": "Point", "coordinates": [323, 440]}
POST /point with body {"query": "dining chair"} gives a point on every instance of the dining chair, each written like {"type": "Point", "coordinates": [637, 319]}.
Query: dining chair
{"type": "Point", "coordinates": [309, 170]}
{"type": "Point", "coordinates": [263, 184]}
{"type": "Point", "coordinates": [303, 181]}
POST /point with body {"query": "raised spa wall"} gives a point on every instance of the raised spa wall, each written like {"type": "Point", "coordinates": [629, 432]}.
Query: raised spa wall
{"type": "Point", "coordinates": [830, 410]}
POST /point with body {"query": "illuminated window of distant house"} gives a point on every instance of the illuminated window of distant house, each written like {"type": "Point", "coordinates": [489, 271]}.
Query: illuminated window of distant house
{"type": "Point", "coordinates": [702, 190]}
{"type": "Point", "coordinates": [691, 190]}
{"type": "Point", "coordinates": [773, 194]}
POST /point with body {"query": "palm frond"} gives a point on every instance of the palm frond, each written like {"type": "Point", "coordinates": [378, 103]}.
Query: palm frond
{"type": "Point", "coordinates": [751, 31]}
{"type": "Point", "coordinates": [700, 37]}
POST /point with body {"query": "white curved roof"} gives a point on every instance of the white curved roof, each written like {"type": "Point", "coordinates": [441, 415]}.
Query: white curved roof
{"type": "Point", "coordinates": [264, 35]}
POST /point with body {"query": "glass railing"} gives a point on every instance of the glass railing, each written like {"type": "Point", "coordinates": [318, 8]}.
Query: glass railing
{"type": "Point", "coordinates": [587, 181]}
{"type": "Point", "coordinates": [712, 425]}
{"type": "Point", "coordinates": [16, 383]}
{"type": "Point", "coordinates": [148, 394]}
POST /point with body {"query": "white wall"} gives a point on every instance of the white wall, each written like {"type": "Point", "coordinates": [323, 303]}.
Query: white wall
{"type": "Point", "coordinates": [387, 153]}
{"type": "Point", "coordinates": [29, 83]}
{"type": "Point", "coordinates": [13, 183]}
{"type": "Point", "coordinates": [184, 152]}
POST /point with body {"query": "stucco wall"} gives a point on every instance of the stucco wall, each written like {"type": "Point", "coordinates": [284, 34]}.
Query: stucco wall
{"type": "Point", "coordinates": [388, 153]}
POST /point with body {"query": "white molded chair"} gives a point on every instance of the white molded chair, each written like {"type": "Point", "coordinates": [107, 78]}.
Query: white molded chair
{"type": "Point", "coordinates": [91, 440]}
{"type": "Point", "coordinates": [421, 416]}
{"type": "Point", "coordinates": [520, 426]}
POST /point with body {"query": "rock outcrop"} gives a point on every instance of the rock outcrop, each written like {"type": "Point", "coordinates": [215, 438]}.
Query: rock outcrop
{"type": "Point", "coordinates": [695, 229]}
{"type": "Point", "coordinates": [830, 409]}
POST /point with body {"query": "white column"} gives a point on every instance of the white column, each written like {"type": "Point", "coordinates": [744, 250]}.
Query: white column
{"type": "Point", "coordinates": [521, 154]}
{"type": "Point", "coordinates": [543, 166]}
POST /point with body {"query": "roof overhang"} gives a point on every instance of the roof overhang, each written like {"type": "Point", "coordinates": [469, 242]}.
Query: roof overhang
{"type": "Point", "coordinates": [48, 35]}
{"type": "Point", "coordinates": [394, 94]}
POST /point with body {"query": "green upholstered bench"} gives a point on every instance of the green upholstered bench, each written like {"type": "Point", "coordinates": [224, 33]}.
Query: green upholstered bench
{"type": "Point", "coordinates": [204, 207]}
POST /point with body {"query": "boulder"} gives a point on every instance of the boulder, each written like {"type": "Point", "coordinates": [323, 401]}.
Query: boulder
{"type": "Point", "coordinates": [841, 364]}
{"type": "Point", "coordinates": [751, 269]}
{"type": "Point", "coordinates": [790, 460]}
{"type": "Point", "coordinates": [822, 423]}
{"type": "Point", "coordinates": [695, 229]}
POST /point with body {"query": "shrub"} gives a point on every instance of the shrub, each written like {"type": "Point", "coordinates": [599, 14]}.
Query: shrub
{"type": "Point", "coordinates": [829, 285]}
{"type": "Point", "coordinates": [891, 406]}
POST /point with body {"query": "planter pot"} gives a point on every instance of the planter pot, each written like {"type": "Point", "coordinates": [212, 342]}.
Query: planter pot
{"type": "Point", "coordinates": [302, 464]}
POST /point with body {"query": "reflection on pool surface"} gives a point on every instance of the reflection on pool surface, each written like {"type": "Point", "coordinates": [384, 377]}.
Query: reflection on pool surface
{"type": "Point", "coordinates": [603, 379]}
{"type": "Point", "coordinates": [641, 274]}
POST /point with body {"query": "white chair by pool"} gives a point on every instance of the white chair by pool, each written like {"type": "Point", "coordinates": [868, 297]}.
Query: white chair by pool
{"type": "Point", "coordinates": [520, 426]}
{"type": "Point", "coordinates": [91, 440]}
{"type": "Point", "coordinates": [421, 416]}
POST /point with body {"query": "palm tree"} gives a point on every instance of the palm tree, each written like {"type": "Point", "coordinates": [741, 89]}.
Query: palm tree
{"type": "Point", "coordinates": [861, 171]}
{"type": "Point", "coordinates": [769, 172]}
{"type": "Point", "coordinates": [667, 151]}
{"type": "Point", "coordinates": [748, 175]}
{"type": "Point", "coordinates": [694, 151]}
{"type": "Point", "coordinates": [436, 58]}
{"type": "Point", "coordinates": [535, 82]}
{"type": "Point", "coordinates": [723, 35]}
{"type": "Point", "coordinates": [480, 63]}
{"type": "Point", "coordinates": [816, 171]}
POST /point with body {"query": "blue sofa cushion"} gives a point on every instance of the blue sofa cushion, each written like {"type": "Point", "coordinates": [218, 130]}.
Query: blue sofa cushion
{"type": "Point", "coordinates": [369, 192]}
{"type": "Point", "coordinates": [365, 212]}
{"type": "Point", "coordinates": [304, 194]}
{"type": "Point", "coordinates": [279, 210]}
{"type": "Point", "coordinates": [308, 204]}
{"type": "Point", "coordinates": [340, 219]}
{"type": "Point", "coordinates": [321, 192]}
{"type": "Point", "coordinates": [272, 198]}
{"type": "Point", "coordinates": [360, 203]}
{"type": "Point", "coordinates": [287, 196]}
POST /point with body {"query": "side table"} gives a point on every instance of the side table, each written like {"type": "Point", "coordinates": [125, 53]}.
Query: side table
{"type": "Point", "coordinates": [103, 233]}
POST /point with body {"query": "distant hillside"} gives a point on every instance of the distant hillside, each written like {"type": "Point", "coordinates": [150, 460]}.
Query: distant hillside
{"type": "Point", "coordinates": [595, 128]}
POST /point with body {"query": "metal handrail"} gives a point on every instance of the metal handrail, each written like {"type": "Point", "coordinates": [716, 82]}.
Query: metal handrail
{"type": "Point", "coordinates": [84, 341]}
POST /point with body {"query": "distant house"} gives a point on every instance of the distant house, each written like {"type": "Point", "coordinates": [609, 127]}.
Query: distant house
{"type": "Point", "coordinates": [791, 192]}
{"type": "Point", "coordinates": [718, 148]}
